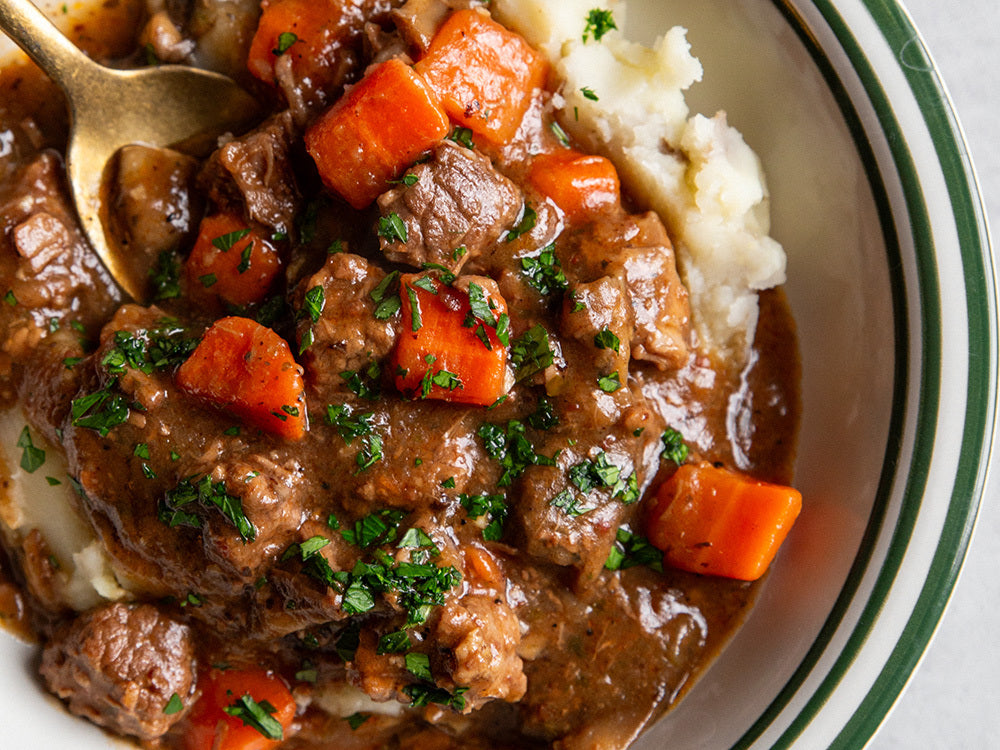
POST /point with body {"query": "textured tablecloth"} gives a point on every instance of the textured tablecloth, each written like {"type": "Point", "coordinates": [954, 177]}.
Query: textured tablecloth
{"type": "Point", "coordinates": [953, 700]}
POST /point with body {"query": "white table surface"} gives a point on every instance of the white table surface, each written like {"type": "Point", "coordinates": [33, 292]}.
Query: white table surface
{"type": "Point", "coordinates": [953, 700]}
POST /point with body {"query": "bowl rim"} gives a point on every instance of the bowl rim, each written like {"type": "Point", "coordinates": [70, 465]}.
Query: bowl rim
{"type": "Point", "coordinates": [980, 420]}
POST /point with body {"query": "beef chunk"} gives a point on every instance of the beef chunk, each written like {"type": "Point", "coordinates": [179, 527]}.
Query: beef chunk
{"type": "Point", "coordinates": [658, 298]}
{"type": "Point", "coordinates": [479, 635]}
{"type": "Point", "coordinates": [256, 170]}
{"type": "Point", "coordinates": [120, 665]}
{"type": "Point", "coordinates": [347, 336]}
{"type": "Point", "coordinates": [458, 201]}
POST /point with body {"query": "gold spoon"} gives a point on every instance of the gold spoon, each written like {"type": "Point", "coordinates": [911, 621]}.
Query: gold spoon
{"type": "Point", "coordinates": [172, 105]}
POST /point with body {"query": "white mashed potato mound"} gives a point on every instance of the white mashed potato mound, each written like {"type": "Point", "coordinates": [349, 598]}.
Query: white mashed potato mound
{"type": "Point", "coordinates": [696, 172]}
{"type": "Point", "coordinates": [34, 501]}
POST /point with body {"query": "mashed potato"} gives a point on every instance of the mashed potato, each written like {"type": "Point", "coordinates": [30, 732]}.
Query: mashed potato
{"type": "Point", "coordinates": [696, 172]}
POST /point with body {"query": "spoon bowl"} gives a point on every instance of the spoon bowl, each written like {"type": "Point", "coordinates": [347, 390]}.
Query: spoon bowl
{"type": "Point", "coordinates": [170, 106]}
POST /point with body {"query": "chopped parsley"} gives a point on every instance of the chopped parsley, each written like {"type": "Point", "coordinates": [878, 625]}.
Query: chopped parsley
{"type": "Point", "coordinates": [226, 241]}
{"type": "Point", "coordinates": [544, 416]}
{"type": "Point", "coordinates": [150, 350]}
{"type": "Point", "coordinates": [609, 383]}
{"type": "Point", "coordinates": [524, 225]}
{"type": "Point", "coordinates": [356, 719]}
{"type": "Point", "coordinates": [416, 320]}
{"type": "Point", "coordinates": [259, 716]}
{"type": "Point", "coordinates": [179, 505]}
{"type": "Point", "coordinates": [32, 457]}
{"type": "Point", "coordinates": [419, 665]}
{"type": "Point", "coordinates": [244, 265]}
{"type": "Point", "coordinates": [462, 136]}
{"type": "Point", "coordinates": [421, 694]}
{"type": "Point", "coordinates": [632, 549]}
{"type": "Point", "coordinates": [386, 296]}
{"type": "Point", "coordinates": [559, 133]}
{"type": "Point", "coordinates": [599, 23]}
{"type": "Point", "coordinates": [511, 448]}
{"type": "Point", "coordinates": [348, 425]}
{"type": "Point", "coordinates": [544, 272]}
{"type": "Point", "coordinates": [370, 453]}
{"type": "Point", "coordinates": [9, 298]}
{"type": "Point", "coordinates": [606, 339]}
{"type": "Point", "coordinates": [209, 279]}
{"type": "Point", "coordinates": [285, 41]}
{"type": "Point", "coordinates": [380, 527]}
{"type": "Point", "coordinates": [396, 642]}
{"type": "Point", "coordinates": [100, 411]}
{"type": "Point", "coordinates": [409, 180]}
{"type": "Point", "coordinates": [391, 228]}
{"type": "Point", "coordinates": [70, 362]}
{"type": "Point", "coordinates": [674, 448]}
{"type": "Point", "coordinates": [588, 93]}
{"type": "Point", "coordinates": [365, 383]}
{"type": "Point", "coordinates": [165, 276]}
{"type": "Point", "coordinates": [569, 504]}
{"type": "Point", "coordinates": [531, 352]}
{"type": "Point", "coordinates": [493, 507]}
{"type": "Point", "coordinates": [174, 705]}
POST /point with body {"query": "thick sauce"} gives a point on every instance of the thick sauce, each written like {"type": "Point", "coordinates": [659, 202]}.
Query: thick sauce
{"type": "Point", "coordinates": [533, 630]}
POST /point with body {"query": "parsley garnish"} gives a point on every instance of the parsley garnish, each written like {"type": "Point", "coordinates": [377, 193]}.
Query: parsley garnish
{"type": "Point", "coordinates": [226, 241]}
{"type": "Point", "coordinates": [632, 549]}
{"type": "Point", "coordinates": [244, 265]}
{"type": "Point", "coordinates": [606, 339]}
{"type": "Point", "coordinates": [419, 665]}
{"type": "Point", "coordinates": [674, 448]}
{"type": "Point", "coordinates": [462, 136]}
{"type": "Point", "coordinates": [559, 133]}
{"type": "Point", "coordinates": [599, 23]}
{"type": "Point", "coordinates": [569, 504]}
{"type": "Point", "coordinates": [422, 695]}
{"type": "Point", "coordinates": [9, 298]}
{"type": "Point", "coordinates": [165, 276]}
{"type": "Point", "coordinates": [544, 272]}
{"type": "Point", "coordinates": [544, 417]}
{"type": "Point", "coordinates": [174, 705]}
{"type": "Point", "coordinates": [525, 224]}
{"type": "Point", "coordinates": [416, 321]}
{"type": "Point", "coordinates": [257, 715]}
{"type": "Point", "coordinates": [531, 352]}
{"type": "Point", "coordinates": [349, 426]}
{"type": "Point", "coordinates": [391, 228]}
{"type": "Point", "coordinates": [370, 453]}
{"type": "Point", "coordinates": [32, 457]}
{"type": "Point", "coordinates": [209, 279]}
{"type": "Point", "coordinates": [178, 505]}
{"type": "Point", "coordinates": [396, 642]}
{"type": "Point", "coordinates": [609, 383]}
{"type": "Point", "coordinates": [386, 296]}
{"type": "Point", "coordinates": [100, 411]}
{"type": "Point", "coordinates": [285, 40]}
{"type": "Point", "coordinates": [150, 350]}
{"type": "Point", "coordinates": [409, 179]}
{"type": "Point", "coordinates": [364, 383]}
{"type": "Point", "coordinates": [493, 507]}
{"type": "Point", "coordinates": [512, 449]}
{"type": "Point", "coordinates": [356, 719]}
{"type": "Point", "coordinates": [380, 527]}
{"type": "Point", "coordinates": [588, 93]}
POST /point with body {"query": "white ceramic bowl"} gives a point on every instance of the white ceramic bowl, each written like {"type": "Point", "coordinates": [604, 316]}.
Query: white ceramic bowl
{"type": "Point", "coordinates": [893, 287]}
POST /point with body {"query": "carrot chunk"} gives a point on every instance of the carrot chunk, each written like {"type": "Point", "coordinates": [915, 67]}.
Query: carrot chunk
{"type": "Point", "coordinates": [484, 74]}
{"type": "Point", "coordinates": [578, 183]}
{"type": "Point", "coordinates": [296, 28]}
{"type": "Point", "coordinates": [240, 710]}
{"type": "Point", "coordinates": [375, 132]}
{"type": "Point", "coordinates": [719, 522]}
{"type": "Point", "coordinates": [453, 344]}
{"type": "Point", "coordinates": [248, 369]}
{"type": "Point", "coordinates": [232, 261]}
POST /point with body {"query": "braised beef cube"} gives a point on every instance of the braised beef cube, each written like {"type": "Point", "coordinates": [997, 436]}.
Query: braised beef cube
{"type": "Point", "coordinates": [478, 636]}
{"type": "Point", "coordinates": [658, 298]}
{"type": "Point", "coordinates": [120, 666]}
{"type": "Point", "coordinates": [255, 170]}
{"type": "Point", "coordinates": [153, 207]}
{"type": "Point", "coordinates": [351, 331]}
{"type": "Point", "coordinates": [599, 315]}
{"type": "Point", "coordinates": [456, 207]}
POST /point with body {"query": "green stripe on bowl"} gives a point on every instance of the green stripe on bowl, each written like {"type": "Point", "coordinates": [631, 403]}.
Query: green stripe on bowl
{"type": "Point", "coordinates": [981, 397]}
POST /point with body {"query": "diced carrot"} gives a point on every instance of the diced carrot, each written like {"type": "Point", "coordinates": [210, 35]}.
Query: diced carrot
{"type": "Point", "coordinates": [719, 522]}
{"type": "Point", "coordinates": [213, 728]}
{"type": "Point", "coordinates": [296, 28]}
{"type": "Point", "coordinates": [444, 350]}
{"type": "Point", "coordinates": [484, 74]}
{"type": "Point", "coordinates": [375, 132]}
{"type": "Point", "coordinates": [248, 369]}
{"type": "Point", "coordinates": [578, 183]}
{"type": "Point", "coordinates": [231, 261]}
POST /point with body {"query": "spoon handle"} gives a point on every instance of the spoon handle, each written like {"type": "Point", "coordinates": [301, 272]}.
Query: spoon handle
{"type": "Point", "coordinates": [44, 43]}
